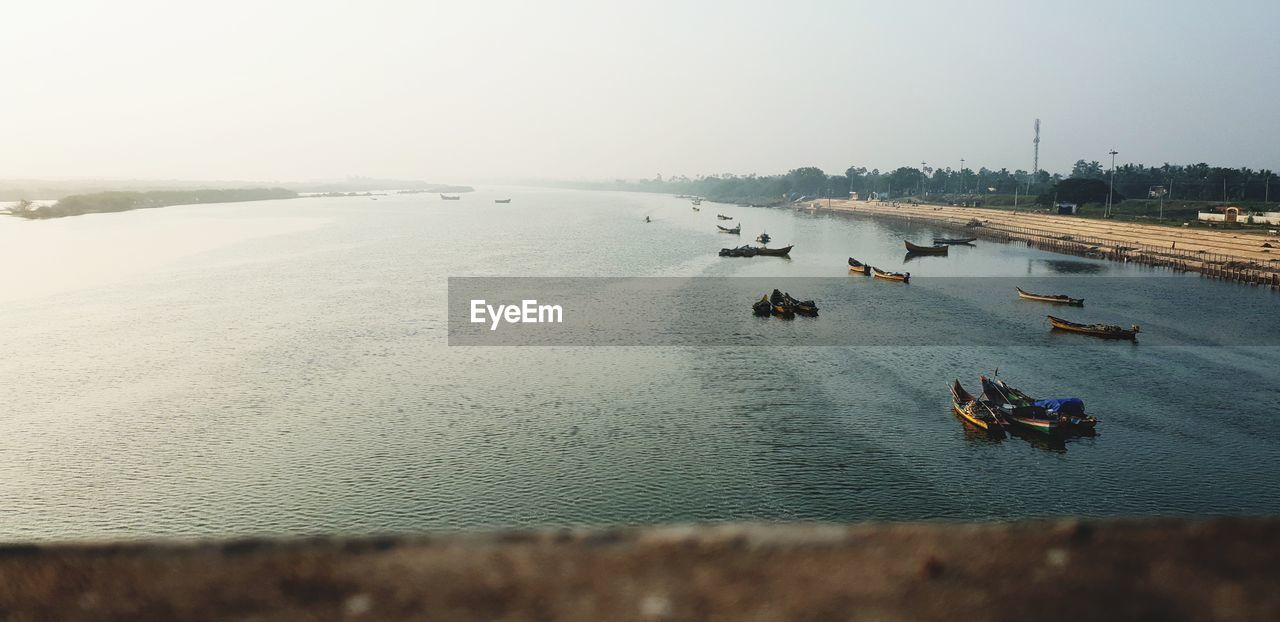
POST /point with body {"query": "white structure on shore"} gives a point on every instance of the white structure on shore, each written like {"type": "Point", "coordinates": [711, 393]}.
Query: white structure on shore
{"type": "Point", "coordinates": [1233, 214]}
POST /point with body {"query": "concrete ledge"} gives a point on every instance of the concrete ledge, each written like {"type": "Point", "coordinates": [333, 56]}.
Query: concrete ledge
{"type": "Point", "coordinates": [1226, 569]}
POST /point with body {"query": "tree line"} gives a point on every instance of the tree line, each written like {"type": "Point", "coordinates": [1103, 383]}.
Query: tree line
{"type": "Point", "coordinates": [1189, 182]}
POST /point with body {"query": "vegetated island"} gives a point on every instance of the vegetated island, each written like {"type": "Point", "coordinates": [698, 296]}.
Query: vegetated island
{"type": "Point", "coordinates": [445, 188]}
{"type": "Point", "coordinates": [117, 201]}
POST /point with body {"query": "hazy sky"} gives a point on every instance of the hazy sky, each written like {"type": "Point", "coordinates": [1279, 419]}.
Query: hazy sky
{"type": "Point", "coordinates": [459, 91]}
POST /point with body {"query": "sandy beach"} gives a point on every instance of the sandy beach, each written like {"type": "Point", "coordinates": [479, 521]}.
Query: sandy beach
{"type": "Point", "coordinates": [1210, 251]}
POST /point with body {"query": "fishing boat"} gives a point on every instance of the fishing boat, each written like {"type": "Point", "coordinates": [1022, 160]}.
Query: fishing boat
{"type": "Point", "coordinates": [1054, 298]}
{"type": "Point", "coordinates": [1106, 331]}
{"type": "Point", "coordinates": [762, 307]}
{"type": "Point", "coordinates": [1019, 410]}
{"type": "Point", "coordinates": [763, 238]}
{"type": "Point", "coordinates": [502, 200]}
{"type": "Point", "coordinates": [1069, 410]}
{"type": "Point", "coordinates": [646, 219]}
{"type": "Point", "coordinates": [937, 241]}
{"type": "Point", "coordinates": [455, 197]}
{"type": "Point", "coordinates": [806, 308]}
{"type": "Point", "coordinates": [784, 303]}
{"type": "Point", "coordinates": [857, 267]}
{"type": "Point", "coordinates": [937, 249]}
{"type": "Point", "coordinates": [890, 276]}
{"type": "Point", "coordinates": [723, 217]}
{"type": "Point", "coordinates": [974, 411]}
{"type": "Point", "coordinates": [697, 201]}
{"type": "Point", "coordinates": [736, 230]}
{"type": "Point", "coordinates": [775, 252]}
{"type": "Point", "coordinates": [741, 251]}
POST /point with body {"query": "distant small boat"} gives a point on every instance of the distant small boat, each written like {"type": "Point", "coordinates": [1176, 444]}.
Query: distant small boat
{"type": "Point", "coordinates": [974, 411]}
{"type": "Point", "coordinates": [890, 276]}
{"type": "Point", "coordinates": [736, 230]}
{"type": "Point", "coordinates": [723, 217]}
{"type": "Point", "coordinates": [939, 249]}
{"type": "Point", "coordinates": [775, 252]}
{"type": "Point", "coordinates": [455, 197]}
{"type": "Point", "coordinates": [646, 219]}
{"type": "Point", "coordinates": [763, 238]}
{"type": "Point", "coordinates": [697, 201]}
{"type": "Point", "coordinates": [1054, 298]}
{"type": "Point", "coordinates": [858, 267]}
{"type": "Point", "coordinates": [953, 240]}
{"type": "Point", "coordinates": [1106, 331]}
{"type": "Point", "coordinates": [502, 200]}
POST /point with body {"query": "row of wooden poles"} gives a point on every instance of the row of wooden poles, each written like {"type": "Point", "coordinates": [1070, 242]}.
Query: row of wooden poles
{"type": "Point", "coordinates": [1212, 265]}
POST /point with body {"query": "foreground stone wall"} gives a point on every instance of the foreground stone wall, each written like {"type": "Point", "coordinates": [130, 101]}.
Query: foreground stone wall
{"type": "Point", "coordinates": [1225, 569]}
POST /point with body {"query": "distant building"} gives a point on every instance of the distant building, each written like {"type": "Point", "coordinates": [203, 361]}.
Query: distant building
{"type": "Point", "coordinates": [1231, 213]}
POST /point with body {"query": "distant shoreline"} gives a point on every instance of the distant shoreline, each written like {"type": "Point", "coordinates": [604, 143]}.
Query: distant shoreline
{"type": "Point", "coordinates": [1233, 255]}
{"type": "Point", "coordinates": [109, 202]}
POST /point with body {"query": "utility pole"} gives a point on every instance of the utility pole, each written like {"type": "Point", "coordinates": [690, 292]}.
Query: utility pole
{"type": "Point", "coordinates": [1112, 189]}
{"type": "Point", "coordinates": [960, 179]}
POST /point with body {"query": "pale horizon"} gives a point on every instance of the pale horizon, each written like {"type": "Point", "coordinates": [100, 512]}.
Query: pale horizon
{"type": "Point", "coordinates": [295, 91]}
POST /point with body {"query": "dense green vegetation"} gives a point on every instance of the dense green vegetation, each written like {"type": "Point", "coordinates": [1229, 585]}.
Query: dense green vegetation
{"type": "Point", "coordinates": [100, 202]}
{"type": "Point", "coordinates": [1080, 191]}
{"type": "Point", "coordinates": [1139, 190]}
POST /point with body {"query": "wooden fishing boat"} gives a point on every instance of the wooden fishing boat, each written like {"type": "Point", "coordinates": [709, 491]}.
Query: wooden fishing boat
{"type": "Point", "coordinates": [723, 217]}
{"type": "Point", "coordinates": [1106, 331]}
{"type": "Point", "coordinates": [858, 267]}
{"type": "Point", "coordinates": [762, 307]}
{"type": "Point", "coordinates": [1054, 298]}
{"type": "Point", "coordinates": [736, 230]}
{"type": "Point", "coordinates": [502, 200]}
{"type": "Point", "coordinates": [974, 411]}
{"type": "Point", "coordinates": [455, 197]}
{"type": "Point", "coordinates": [741, 251]}
{"type": "Point", "coordinates": [1070, 411]}
{"type": "Point", "coordinates": [775, 252]}
{"type": "Point", "coordinates": [697, 201]}
{"type": "Point", "coordinates": [890, 276]}
{"type": "Point", "coordinates": [1048, 427]}
{"type": "Point", "coordinates": [939, 249]}
{"type": "Point", "coordinates": [784, 304]}
{"type": "Point", "coordinates": [1019, 410]}
{"type": "Point", "coordinates": [937, 241]}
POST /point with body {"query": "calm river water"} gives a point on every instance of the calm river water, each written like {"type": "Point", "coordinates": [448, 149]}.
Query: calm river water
{"type": "Point", "coordinates": [282, 368]}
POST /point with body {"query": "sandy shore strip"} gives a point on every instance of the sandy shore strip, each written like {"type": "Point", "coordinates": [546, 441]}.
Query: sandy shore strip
{"type": "Point", "coordinates": [1240, 255]}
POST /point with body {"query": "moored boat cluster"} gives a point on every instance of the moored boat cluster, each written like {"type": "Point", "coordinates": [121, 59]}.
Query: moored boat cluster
{"type": "Point", "coordinates": [1000, 407]}
{"type": "Point", "coordinates": [784, 306]}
